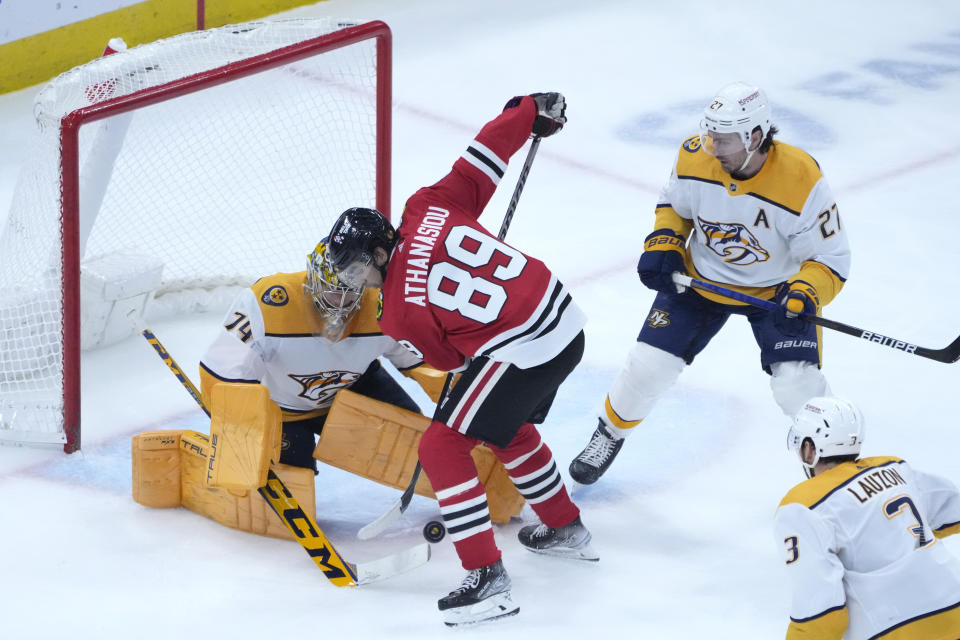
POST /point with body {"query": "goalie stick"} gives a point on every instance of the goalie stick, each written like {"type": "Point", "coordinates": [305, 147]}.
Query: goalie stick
{"type": "Point", "coordinates": [379, 525]}
{"type": "Point", "coordinates": [948, 354]}
{"type": "Point", "coordinates": [335, 567]}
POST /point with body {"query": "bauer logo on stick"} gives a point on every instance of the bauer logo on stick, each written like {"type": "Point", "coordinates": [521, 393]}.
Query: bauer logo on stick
{"type": "Point", "coordinates": [899, 345]}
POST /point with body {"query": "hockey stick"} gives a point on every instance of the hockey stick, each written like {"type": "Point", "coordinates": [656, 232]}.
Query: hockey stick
{"type": "Point", "coordinates": [379, 525]}
{"type": "Point", "coordinates": [949, 354]}
{"type": "Point", "coordinates": [521, 181]}
{"type": "Point", "coordinates": [335, 567]}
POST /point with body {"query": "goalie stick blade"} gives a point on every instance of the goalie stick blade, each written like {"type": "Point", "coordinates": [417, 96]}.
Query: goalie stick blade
{"type": "Point", "coordinates": [392, 565]}
{"type": "Point", "coordinates": [382, 523]}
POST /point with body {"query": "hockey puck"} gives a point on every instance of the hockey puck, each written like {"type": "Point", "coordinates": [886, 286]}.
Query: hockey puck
{"type": "Point", "coordinates": [434, 531]}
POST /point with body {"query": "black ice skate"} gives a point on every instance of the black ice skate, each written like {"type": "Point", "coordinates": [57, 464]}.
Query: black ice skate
{"type": "Point", "coordinates": [484, 595]}
{"type": "Point", "coordinates": [593, 461]}
{"type": "Point", "coordinates": [569, 541]}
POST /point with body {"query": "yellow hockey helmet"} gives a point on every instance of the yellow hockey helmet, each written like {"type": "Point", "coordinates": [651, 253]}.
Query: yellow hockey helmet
{"type": "Point", "coordinates": [335, 301]}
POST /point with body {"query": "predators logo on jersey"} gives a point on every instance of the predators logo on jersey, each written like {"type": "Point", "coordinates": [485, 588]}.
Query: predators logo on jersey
{"type": "Point", "coordinates": [733, 242]}
{"type": "Point", "coordinates": [321, 387]}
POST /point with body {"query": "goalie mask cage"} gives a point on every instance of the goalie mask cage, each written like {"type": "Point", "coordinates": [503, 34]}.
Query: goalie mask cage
{"type": "Point", "coordinates": [224, 155]}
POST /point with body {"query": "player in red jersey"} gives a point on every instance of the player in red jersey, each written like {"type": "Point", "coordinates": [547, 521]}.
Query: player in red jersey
{"type": "Point", "coordinates": [465, 301]}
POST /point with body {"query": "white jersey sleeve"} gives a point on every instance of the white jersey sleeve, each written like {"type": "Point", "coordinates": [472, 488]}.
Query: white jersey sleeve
{"type": "Point", "coordinates": [940, 500]}
{"type": "Point", "coordinates": [818, 233]}
{"type": "Point", "coordinates": [234, 354]}
{"type": "Point", "coordinates": [401, 357]}
{"type": "Point", "coordinates": [674, 195]}
{"type": "Point", "coordinates": [809, 549]}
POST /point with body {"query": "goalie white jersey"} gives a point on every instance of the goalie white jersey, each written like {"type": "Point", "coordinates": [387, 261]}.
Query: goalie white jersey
{"type": "Point", "coordinates": [758, 232]}
{"type": "Point", "coordinates": [272, 335]}
{"type": "Point", "coordinates": [861, 542]}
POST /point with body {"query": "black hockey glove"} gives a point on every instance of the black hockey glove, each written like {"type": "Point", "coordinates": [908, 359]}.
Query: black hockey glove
{"type": "Point", "coordinates": [551, 112]}
{"type": "Point", "coordinates": [662, 255]}
{"type": "Point", "coordinates": [795, 298]}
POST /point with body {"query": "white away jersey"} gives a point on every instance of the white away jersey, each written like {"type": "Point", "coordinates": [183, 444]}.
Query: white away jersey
{"type": "Point", "coordinates": [861, 541]}
{"type": "Point", "coordinates": [755, 232]}
{"type": "Point", "coordinates": [270, 335]}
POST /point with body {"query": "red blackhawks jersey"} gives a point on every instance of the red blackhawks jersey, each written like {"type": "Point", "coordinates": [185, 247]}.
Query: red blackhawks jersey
{"type": "Point", "coordinates": [453, 291]}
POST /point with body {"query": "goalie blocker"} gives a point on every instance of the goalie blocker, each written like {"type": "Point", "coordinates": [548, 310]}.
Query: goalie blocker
{"type": "Point", "coordinates": [217, 476]}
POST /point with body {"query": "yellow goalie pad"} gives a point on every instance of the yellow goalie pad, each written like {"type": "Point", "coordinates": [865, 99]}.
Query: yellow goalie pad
{"type": "Point", "coordinates": [379, 441]}
{"type": "Point", "coordinates": [430, 380]}
{"type": "Point", "coordinates": [244, 436]}
{"type": "Point", "coordinates": [170, 470]}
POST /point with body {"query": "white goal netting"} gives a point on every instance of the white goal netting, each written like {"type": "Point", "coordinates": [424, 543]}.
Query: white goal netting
{"type": "Point", "coordinates": [186, 193]}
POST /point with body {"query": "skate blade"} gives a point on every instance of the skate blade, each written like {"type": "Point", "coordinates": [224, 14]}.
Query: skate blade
{"type": "Point", "coordinates": [585, 552]}
{"type": "Point", "coordinates": [493, 608]}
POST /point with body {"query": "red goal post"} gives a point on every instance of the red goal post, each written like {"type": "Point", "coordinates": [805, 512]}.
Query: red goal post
{"type": "Point", "coordinates": [299, 154]}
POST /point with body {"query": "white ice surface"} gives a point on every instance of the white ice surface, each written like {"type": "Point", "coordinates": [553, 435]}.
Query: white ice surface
{"type": "Point", "coordinates": [682, 521]}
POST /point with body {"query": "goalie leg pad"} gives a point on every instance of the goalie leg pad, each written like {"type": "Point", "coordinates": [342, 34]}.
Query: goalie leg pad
{"type": "Point", "coordinates": [379, 441]}
{"type": "Point", "coordinates": [243, 509]}
{"type": "Point", "coordinates": [244, 436]}
{"type": "Point", "coordinates": [155, 456]}
{"type": "Point", "coordinates": [170, 470]}
{"type": "Point", "coordinates": [373, 439]}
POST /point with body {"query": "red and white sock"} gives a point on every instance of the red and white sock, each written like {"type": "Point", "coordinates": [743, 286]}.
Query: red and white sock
{"type": "Point", "coordinates": [445, 456]}
{"type": "Point", "coordinates": [533, 470]}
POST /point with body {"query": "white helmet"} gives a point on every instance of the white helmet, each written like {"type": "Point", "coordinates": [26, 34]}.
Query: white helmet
{"type": "Point", "coordinates": [737, 108]}
{"type": "Point", "coordinates": [833, 425]}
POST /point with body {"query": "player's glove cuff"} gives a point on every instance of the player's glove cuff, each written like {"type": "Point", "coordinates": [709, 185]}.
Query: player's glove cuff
{"type": "Point", "coordinates": [662, 256]}
{"type": "Point", "coordinates": [664, 240]}
{"type": "Point", "coordinates": [797, 299]}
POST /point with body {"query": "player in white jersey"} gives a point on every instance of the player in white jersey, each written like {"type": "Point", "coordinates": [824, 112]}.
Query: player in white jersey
{"type": "Point", "coordinates": [305, 337]}
{"type": "Point", "coordinates": [861, 537]}
{"type": "Point", "coordinates": [753, 215]}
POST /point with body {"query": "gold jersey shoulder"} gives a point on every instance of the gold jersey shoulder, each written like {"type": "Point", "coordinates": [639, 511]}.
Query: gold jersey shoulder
{"type": "Point", "coordinates": [814, 490]}
{"type": "Point", "coordinates": [288, 310]}
{"type": "Point", "coordinates": [787, 176]}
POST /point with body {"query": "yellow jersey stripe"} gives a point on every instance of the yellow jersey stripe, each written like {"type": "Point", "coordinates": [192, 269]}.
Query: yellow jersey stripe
{"type": "Point", "coordinates": [828, 625]}
{"type": "Point", "coordinates": [942, 624]}
{"type": "Point", "coordinates": [947, 530]}
{"type": "Point", "coordinates": [817, 489]}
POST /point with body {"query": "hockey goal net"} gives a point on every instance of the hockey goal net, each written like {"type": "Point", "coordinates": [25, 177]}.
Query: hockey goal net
{"type": "Point", "coordinates": [203, 160]}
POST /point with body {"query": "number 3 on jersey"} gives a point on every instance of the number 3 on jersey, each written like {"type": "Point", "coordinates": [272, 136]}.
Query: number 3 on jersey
{"type": "Point", "coordinates": [455, 289]}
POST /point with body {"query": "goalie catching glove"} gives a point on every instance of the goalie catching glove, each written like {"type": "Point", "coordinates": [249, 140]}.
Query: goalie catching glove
{"type": "Point", "coordinates": [662, 255]}
{"type": "Point", "coordinates": [551, 112]}
{"type": "Point", "coordinates": [796, 298]}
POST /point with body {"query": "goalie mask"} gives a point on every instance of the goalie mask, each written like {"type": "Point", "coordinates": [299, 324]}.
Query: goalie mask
{"type": "Point", "coordinates": [834, 426]}
{"type": "Point", "coordinates": [730, 119]}
{"type": "Point", "coordinates": [336, 302]}
{"type": "Point", "coordinates": [353, 243]}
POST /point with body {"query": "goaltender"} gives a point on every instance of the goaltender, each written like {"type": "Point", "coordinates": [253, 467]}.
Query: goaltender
{"type": "Point", "coordinates": [297, 356]}
{"type": "Point", "coordinates": [305, 336]}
